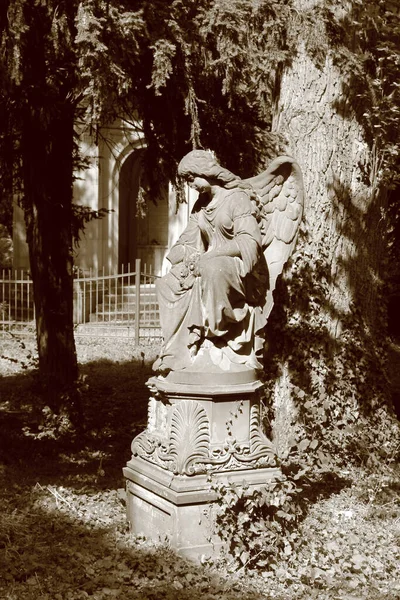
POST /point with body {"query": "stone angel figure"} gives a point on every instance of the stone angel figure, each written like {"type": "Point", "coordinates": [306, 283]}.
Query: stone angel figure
{"type": "Point", "coordinates": [218, 294]}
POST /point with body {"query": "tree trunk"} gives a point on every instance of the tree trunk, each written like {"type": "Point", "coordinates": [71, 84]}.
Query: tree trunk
{"type": "Point", "coordinates": [344, 214]}
{"type": "Point", "coordinates": [327, 339]}
{"type": "Point", "coordinates": [47, 158]}
{"type": "Point", "coordinates": [48, 198]}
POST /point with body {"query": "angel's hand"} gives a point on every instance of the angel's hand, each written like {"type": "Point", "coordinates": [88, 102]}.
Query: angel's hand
{"type": "Point", "coordinates": [176, 254]}
{"type": "Point", "coordinates": [188, 282]}
{"type": "Point", "coordinates": [189, 270]}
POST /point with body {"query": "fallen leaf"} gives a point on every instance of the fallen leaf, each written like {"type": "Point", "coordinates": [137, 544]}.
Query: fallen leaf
{"type": "Point", "coordinates": [177, 585]}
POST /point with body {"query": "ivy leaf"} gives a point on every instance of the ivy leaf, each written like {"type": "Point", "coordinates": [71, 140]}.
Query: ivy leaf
{"type": "Point", "coordinates": [303, 445]}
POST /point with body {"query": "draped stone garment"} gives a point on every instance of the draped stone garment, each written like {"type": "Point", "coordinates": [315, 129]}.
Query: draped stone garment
{"type": "Point", "coordinates": [218, 298]}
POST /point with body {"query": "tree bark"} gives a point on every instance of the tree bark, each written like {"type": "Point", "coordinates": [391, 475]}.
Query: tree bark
{"type": "Point", "coordinates": [344, 214]}
{"type": "Point", "coordinates": [48, 198]}
{"type": "Point", "coordinates": [47, 158]}
{"type": "Point", "coordinates": [327, 339]}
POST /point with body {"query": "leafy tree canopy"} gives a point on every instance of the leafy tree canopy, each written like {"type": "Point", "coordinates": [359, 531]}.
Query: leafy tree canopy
{"type": "Point", "coordinates": [195, 73]}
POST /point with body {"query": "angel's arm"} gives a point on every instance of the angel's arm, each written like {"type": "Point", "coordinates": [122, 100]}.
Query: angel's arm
{"type": "Point", "coordinates": [189, 242]}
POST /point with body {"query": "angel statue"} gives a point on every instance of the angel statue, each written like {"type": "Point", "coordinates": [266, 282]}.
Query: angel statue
{"type": "Point", "coordinates": [218, 294]}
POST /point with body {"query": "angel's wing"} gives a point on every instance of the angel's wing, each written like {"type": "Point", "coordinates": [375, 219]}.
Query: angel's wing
{"type": "Point", "coordinates": [280, 193]}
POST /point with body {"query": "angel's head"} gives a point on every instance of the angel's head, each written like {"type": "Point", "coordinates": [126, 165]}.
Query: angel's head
{"type": "Point", "coordinates": [202, 163]}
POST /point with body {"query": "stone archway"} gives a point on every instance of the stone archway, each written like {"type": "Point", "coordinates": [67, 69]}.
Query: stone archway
{"type": "Point", "coordinates": [140, 236]}
{"type": "Point", "coordinates": [127, 221]}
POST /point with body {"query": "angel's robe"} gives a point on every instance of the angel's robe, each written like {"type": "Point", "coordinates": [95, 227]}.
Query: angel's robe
{"type": "Point", "coordinates": [218, 298]}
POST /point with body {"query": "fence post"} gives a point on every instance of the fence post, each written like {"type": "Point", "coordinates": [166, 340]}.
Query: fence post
{"type": "Point", "coordinates": [137, 301]}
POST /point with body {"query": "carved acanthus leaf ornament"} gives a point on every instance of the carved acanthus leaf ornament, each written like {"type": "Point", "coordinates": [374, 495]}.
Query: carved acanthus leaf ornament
{"type": "Point", "coordinates": [187, 449]}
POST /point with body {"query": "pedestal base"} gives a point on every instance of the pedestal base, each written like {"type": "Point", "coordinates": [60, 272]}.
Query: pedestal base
{"type": "Point", "coordinates": [180, 509]}
{"type": "Point", "coordinates": [200, 425]}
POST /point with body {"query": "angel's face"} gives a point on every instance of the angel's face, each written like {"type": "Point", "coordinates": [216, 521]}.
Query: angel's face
{"type": "Point", "coordinates": [200, 184]}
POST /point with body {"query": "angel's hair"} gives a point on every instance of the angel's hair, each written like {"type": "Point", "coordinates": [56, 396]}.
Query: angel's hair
{"type": "Point", "coordinates": [202, 163]}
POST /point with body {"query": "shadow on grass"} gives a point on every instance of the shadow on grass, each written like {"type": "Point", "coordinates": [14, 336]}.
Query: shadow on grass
{"type": "Point", "coordinates": [52, 493]}
{"type": "Point", "coordinates": [115, 411]}
{"type": "Point", "coordinates": [54, 542]}
{"type": "Point", "coordinates": [115, 400]}
{"type": "Point", "coordinates": [50, 553]}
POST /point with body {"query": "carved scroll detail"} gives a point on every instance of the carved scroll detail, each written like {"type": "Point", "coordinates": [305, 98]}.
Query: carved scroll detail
{"type": "Point", "coordinates": [186, 449]}
{"type": "Point", "coordinates": [258, 452]}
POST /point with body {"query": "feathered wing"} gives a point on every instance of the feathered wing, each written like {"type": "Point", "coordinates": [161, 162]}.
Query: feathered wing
{"type": "Point", "coordinates": [280, 203]}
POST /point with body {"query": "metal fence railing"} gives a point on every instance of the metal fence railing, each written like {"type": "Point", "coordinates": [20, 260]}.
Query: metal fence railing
{"type": "Point", "coordinates": [17, 310]}
{"type": "Point", "coordinates": [120, 304]}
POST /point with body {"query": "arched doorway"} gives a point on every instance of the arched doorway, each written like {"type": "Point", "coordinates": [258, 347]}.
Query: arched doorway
{"type": "Point", "coordinates": [140, 236]}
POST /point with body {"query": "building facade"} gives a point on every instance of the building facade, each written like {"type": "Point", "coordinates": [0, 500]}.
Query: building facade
{"type": "Point", "coordinates": [111, 181]}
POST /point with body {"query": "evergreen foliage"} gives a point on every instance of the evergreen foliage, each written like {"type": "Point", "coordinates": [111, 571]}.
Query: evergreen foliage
{"type": "Point", "coordinates": [202, 74]}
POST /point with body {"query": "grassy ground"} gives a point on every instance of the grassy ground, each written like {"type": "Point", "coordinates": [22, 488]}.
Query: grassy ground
{"type": "Point", "coordinates": [63, 531]}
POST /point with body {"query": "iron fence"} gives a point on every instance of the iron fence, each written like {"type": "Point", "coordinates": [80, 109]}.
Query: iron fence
{"type": "Point", "coordinates": [17, 310]}
{"type": "Point", "coordinates": [120, 305]}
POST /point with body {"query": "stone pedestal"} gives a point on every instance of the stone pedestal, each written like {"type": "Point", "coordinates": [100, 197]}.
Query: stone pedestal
{"type": "Point", "coordinates": [203, 427]}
